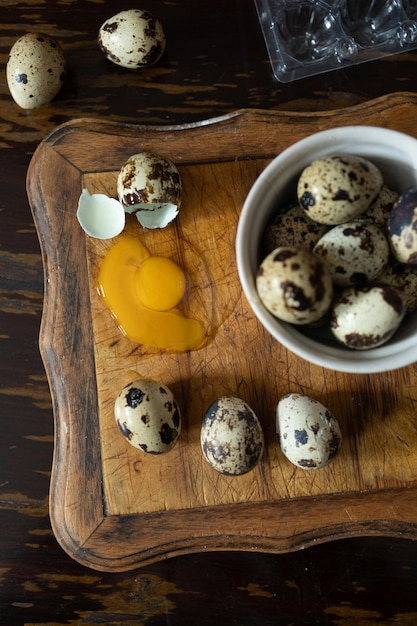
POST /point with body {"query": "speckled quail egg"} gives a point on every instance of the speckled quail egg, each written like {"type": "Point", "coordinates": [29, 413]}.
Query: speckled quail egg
{"type": "Point", "coordinates": [148, 416]}
{"type": "Point", "coordinates": [404, 278]}
{"type": "Point", "coordinates": [402, 227]}
{"type": "Point", "coordinates": [35, 70]}
{"type": "Point", "coordinates": [337, 188]}
{"type": "Point", "coordinates": [366, 317]}
{"type": "Point", "coordinates": [291, 226]}
{"type": "Point", "coordinates": [231, 436]}
{"type": "Point", "coordinates": [355, 252]}
{"type": "Point", "coordinates": [380, 209]}
{"type": "Point", "coordinates": [150, 186]}
{"type": "Point", "coordinates": [132, 39]}
{"type": "Point", "coordinates": [308, 434]}
{"type": "Point", "coordinates": [295, 285]}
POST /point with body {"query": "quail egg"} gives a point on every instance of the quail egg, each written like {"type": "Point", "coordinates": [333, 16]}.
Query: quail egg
{"type": "Point", "coordinates": [402, 227]}
{"type": "Point", "coordinates": [148, 416]}
{"type": "Point", "coordinates": [231, 436]}
{"type": "Point", "coordinates": [308, 434]}
{"type": "Point", "coordinates": [132, 39]}
{"type": "Point", "coordinates": [150, 186]}
{"type": "Point", "coordinates": [404, 278]}
{"type": "Point", "coordinates": [295, 285]}
{"type": "Point", "coordinates": [367, 316]}
{"type": "Point", "coordinates": [336, 189]}
{"type": "Point", "coordinates": [380, 209]}
{"type": "Point", "coordinates": [291, 226]}
{"type": "Point", "coordinates": [355, 252]}
{"type": "Point", "coordinates": [35, 70]}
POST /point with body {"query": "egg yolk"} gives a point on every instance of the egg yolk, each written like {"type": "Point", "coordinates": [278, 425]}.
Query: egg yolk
{"type": "Point", "coordinates": [141, 291]}
{"type": "Point", "coordinates": [160, 284]}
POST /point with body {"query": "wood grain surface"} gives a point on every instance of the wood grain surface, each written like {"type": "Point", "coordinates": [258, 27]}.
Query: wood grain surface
{"type": "Point", "coordinates": [100, 483]}
{"type": "Point", "coordinates": [215, 63]}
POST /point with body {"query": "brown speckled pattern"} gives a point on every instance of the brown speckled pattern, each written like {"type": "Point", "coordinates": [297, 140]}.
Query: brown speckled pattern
{"type": "Point", "coordinates": [148, 178]}
{"type": "Point", "coordinates": [148, 416]}
{"type": "Point", "coordinates": [231, 438]}
{"type": "Point", "coordinates": [291, 226]}
{"type": "Point", "coordinates": [336, 189]}
{"type": "Point", "coordinates": [354, 321]}
{"type": "Point", "coordinates": [132, 39]}
{"type": "Point", "coordinates": [36, 70]}
{"type": "Point", "coordinates": [402, 227]}
{"type": "Point", "coordinates": [355, 252]}
{"type": "Point", "coordinates": [294, 285]}
{"type": "Point", "coordinates": [307, 432]}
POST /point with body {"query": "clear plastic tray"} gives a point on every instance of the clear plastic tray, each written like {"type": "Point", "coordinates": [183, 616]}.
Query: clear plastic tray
{"type": "Point", "coordinates": [307, 37]}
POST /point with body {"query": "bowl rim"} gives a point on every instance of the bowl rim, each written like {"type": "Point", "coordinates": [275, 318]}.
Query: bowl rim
{"type": "Point", "coordinates": [367, 141]}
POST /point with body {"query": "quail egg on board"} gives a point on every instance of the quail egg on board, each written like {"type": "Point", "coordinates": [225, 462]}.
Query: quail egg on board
{"type": "Point", "coordinates": [35, 70]}
{"type": "Point", "coordinates": [148, 416]}
{"type": "Point", "coordinates": [295, 285]}
{"type": "Point", "coordinates": [132, 39]}
{"type": "Point", "coordinates": [150, 186]}
{"type": "Point", "coordinates": [367, 316]}
{"type": "Point", "coordinates": [308, 434]}
{"type": "Point", "coordinates": [337, 188]}
{"type": "Point", "coordinates": [402, 227]}
{"type": "Point", "coordinates": [355, 252]}
{"type": "Point", "coordinates": [231, 436]}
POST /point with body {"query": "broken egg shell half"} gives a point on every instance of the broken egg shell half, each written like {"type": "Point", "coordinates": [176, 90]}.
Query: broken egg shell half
{"type": "Point", "coordinates": [148, 416]}
{"type": "Point", "coordinates": [132, 39]}
{"type": "Point", "coordinates": [308, 434]}
{"type": "Point", "coordinates": [100, 216]}
{"type": "Point", "coordinates": [231, 437]}
{"type": "Point", "coordinates": [150, 186]}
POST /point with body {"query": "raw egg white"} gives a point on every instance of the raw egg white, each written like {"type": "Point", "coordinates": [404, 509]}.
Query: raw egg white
{"type": "Point", "coordinates": [142, 291]}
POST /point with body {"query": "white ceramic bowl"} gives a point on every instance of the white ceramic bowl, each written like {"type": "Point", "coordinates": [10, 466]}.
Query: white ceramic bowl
{"type": "Point", "coordinates": [396, 155]}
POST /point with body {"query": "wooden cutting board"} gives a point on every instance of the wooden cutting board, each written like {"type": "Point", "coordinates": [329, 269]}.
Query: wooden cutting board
{"type": "Point", "coordinates": [115, 508]}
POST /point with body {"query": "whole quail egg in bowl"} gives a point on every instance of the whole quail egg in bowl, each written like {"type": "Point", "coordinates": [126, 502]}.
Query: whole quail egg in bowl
{"type": "Point", "coordinates": [334, 302]}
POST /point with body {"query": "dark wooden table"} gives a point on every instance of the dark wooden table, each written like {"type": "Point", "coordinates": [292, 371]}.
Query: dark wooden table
{"type": "Point", "coordinates": [215, 62]}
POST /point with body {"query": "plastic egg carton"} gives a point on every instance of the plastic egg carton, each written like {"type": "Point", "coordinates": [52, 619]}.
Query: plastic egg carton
{"type": "Point", "coordinates": [307, 37]}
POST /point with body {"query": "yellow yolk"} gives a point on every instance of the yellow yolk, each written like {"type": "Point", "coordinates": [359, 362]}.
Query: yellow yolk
{"type": "Point", "coordinates": [141, 292]}
{"type": "Point", "coordinates": [160, 284]}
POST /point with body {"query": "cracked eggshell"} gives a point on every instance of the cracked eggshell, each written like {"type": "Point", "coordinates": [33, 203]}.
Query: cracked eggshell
{"type": "Point", "coordinates": [295, 285]}
{"type": "Point", "coordinates": [366, 317]}
{"type": "Point", "coordinates": [291, 226]}
{"type": "Point", "coordinates": [336, 189]}
{"type": "Point", "coordinates": [308, 434]}
{"type": "Point", "coordinates": [132, 39]}
{"type": "Point", "coordinates": [355, 252]}
{"type": "Point", "coordinates": [35, 70]}
{"type": "Point", "coordinates": [148, 416]}
{"type": "Point", "coordinates": [402, 227]}
{"type": "Point", "coordinates": [150, 186]}
{"type": "Point", "coordinates": [100, 216]}
{"type": "Point", "coordinates": [231, 436]}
